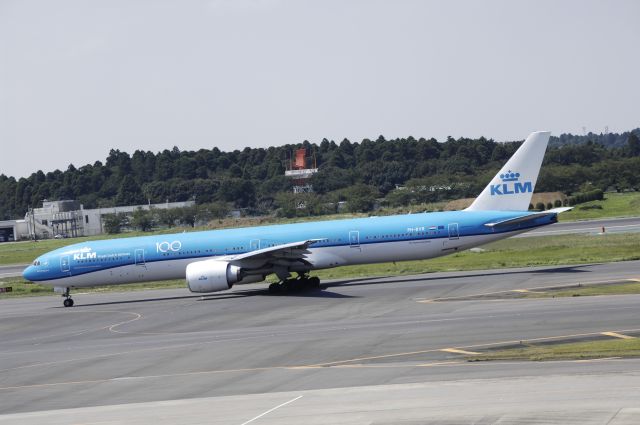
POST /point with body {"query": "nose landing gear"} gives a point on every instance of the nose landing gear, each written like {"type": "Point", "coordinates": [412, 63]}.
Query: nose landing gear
{"type": "Point", "coordinates": [68, 301]}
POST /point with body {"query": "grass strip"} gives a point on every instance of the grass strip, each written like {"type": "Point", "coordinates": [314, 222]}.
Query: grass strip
{"type": "Point", "coordinates": [568, 351]}
{"type": "Point", "coordinates": [587, 290]}
{"type": "Point", "coordinates": [613, 205]}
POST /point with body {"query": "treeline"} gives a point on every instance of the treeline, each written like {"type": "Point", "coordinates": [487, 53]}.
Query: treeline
{"type": "Point", "coordinates": [399, 171]}
{"type": "Point", "coordinates": [608, 140]}
{"type": "Point", "coordinates": [147, 219]}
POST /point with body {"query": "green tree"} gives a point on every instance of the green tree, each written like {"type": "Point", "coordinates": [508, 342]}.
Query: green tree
{"type": "Point", "coordinates": [112, 223]}
{"type": "Point", "coordinates": [189, 215]}
{"type": "Point", "coordinates": [360, 197]}
{"type": "Point", "coordinates": [633, 144]}
{"type": "Point", "coordinates": [142, 219]}
{"type": "Point", "coordinates": [168, 216]}
{"type": "Point", "coordinates": [129, 192]}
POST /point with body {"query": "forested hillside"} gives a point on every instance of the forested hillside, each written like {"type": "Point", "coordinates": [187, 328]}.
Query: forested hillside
{"type": "Point", "coordinates": [360, 172]}
{"type": "Point", "coordinates": [608, 140]}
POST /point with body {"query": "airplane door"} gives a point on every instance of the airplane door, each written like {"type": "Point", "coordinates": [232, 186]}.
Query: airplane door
{"type": "Point", "coordinates": [453, 231]}
{"type": "Point", "coordinates": [354, 239]}
{"type": "Point", "coordinates": [254, 244]}
{"type": "Point", "coordinates": [64, 264]}
{"type": "Point", "coordinates": [139, 257]}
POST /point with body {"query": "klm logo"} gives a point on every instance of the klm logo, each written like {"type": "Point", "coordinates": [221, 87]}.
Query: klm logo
{"type": "Point", "coordinates": [84, 256]}
{"type": "Point", "coordinates": [510, 185]}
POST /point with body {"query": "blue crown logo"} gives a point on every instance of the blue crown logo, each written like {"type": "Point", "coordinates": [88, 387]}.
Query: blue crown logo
{"type": "Point", "coordinates": [510, 177]}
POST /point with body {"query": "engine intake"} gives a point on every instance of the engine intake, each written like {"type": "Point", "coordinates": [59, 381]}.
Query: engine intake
{"type": "Point", "coordinates": [211, 276]}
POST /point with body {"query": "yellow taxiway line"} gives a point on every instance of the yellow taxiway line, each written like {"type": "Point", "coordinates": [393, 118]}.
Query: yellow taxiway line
{"type": "Point", "coordinates": [458, 351]}
{"type": "Point", "coordinates": [617, 335]}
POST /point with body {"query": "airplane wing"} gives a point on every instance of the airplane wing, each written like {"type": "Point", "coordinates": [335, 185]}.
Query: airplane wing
{"type": "Point", "coordinates": [278, 255]}
{"type": "Point", "coordinates": [528, 217]}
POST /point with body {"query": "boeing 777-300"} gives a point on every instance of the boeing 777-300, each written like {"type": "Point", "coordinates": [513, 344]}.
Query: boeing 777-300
{"type": "Point", "coordinates": [216, 260]}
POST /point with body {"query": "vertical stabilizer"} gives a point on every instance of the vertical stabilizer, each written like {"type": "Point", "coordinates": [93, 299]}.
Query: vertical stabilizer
{"type": "Point", "coordinates": [512, 187]}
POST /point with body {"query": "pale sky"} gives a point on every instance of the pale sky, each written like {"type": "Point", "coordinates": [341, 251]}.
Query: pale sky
{"type": "Point", "coordinates": [78, 78]}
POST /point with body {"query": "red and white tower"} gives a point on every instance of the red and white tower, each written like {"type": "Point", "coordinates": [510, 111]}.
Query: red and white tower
{"type": "Point", "coordinates": [300, 168]}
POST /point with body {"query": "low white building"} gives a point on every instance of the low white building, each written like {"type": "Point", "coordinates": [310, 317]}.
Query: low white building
{"type": "Point", "coordinates": [13, 230]}
{"type": "Point", "coordinates": [69, 219]}
{"type": "Point", "coordinates": [92, 222]}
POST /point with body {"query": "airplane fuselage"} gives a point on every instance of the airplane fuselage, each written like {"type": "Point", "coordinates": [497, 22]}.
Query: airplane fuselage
{"type": "Point", "coordinates": [338, 243]}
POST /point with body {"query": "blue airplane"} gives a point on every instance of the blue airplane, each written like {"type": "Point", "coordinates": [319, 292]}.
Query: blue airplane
{"type": "Point", "coordinates": [216, 260]}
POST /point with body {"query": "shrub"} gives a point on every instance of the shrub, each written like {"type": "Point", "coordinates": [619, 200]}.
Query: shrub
{"type": "Point", "coordinates": [592, 195]}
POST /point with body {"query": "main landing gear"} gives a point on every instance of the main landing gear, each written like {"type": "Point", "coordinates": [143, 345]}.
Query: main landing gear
{"type": "Point", "coordinates": [68, 301]}
{"type": "Point", "coordinates": [303, 281]}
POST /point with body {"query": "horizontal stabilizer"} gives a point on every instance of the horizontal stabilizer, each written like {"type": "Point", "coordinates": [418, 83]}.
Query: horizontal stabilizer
{"type": "Point", "coordinates": [527, 217]}
{"type": "Point", "coordinates": [559, 210]}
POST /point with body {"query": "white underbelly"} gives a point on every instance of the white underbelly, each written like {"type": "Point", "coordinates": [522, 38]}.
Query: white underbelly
{"type": "Point", "coordinates": [383, 252]}
{"type": "Point", "coordinates": [320, 258]}
{"type": "Point", "coordinates": [147, 272]}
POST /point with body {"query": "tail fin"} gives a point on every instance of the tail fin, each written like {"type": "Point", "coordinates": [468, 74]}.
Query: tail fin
{"type": "Point", "coordinates": [512, 187]}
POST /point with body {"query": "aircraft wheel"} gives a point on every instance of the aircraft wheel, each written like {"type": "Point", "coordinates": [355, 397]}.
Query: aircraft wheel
{"type": "Point", "coordinates": [288, 286]}
{"type": "Point", "coordinates": [274, 288]}
{"type": "Point", "coordinates": [68, 302]}
{"type": "Point", "coordinates": [314, 282]}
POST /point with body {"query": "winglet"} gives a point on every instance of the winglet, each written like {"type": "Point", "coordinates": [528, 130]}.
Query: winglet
{"type": "Point", "coordinates": [512, 187]}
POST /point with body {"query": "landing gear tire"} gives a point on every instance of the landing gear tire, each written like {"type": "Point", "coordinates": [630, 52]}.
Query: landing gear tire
{"type": "Point", "coordinates": [275, 288]}
{"type": "Point", "coordinates": [301, 283]}
{"type": "Point", "coordinates": [68, 302]}
{"type": "Point", "coordinates": [314, 282]}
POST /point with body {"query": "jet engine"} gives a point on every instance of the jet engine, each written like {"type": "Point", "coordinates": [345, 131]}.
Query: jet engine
{"type": "Point", "coordinates": [212, 276]}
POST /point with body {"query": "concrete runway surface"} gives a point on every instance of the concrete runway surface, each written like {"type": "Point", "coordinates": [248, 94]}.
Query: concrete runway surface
{"type": "Point", "coordinates": [360, 351]}
{"type": "Point", "coordinates": [12, 270]}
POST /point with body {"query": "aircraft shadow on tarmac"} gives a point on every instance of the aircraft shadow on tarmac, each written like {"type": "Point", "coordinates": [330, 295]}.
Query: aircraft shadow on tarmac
{"type": "Point", "coordinates": [316, 293]}
{"type": "Point", "coordinates": [309, 293]}
{"type": "Point", "coordinates": [397, 279]}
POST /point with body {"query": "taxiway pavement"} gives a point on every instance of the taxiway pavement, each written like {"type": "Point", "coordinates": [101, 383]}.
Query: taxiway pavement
{"type": "Point", "coordinates": [12, 270]}
{"type": "Point", "coordinates": [371, 350]}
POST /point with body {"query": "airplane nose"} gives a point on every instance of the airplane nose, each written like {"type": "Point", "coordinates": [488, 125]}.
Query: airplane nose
{"type": "Point", "coordinates": [28, 273]}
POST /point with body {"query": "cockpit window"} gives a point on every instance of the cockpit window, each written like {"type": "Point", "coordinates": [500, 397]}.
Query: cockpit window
{"type": "Point", "coordinates": [36, 263]}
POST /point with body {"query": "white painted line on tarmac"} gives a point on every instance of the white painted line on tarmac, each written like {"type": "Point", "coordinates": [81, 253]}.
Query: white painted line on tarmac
{"type": "Point", "coordinates": [271, 410]}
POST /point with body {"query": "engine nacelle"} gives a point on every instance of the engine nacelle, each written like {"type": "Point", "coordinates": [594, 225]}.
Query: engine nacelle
{"type": "Point", "coordinates": [211, 276]}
